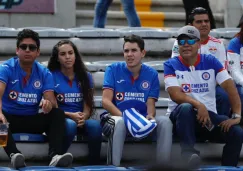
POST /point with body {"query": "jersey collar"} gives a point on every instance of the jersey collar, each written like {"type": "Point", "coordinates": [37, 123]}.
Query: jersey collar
{"type": "Point", "coordinates": [196, 63]}
{"type": "Point", "coordinates": [206, 41]}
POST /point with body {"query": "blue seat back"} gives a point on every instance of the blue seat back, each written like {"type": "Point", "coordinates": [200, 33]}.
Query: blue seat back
{"type": "Point", "coordinates": [45, 168]}
{"type": "Point", "coordinates": [29, 137]}
{"type": "Point", "coordinates": [96, 168]}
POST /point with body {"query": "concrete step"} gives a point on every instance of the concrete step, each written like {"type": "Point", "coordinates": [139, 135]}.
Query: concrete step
{"type": "Point", "coordinates": [156, 19]}
{"type": "Point", "coordinates": [154, 5]}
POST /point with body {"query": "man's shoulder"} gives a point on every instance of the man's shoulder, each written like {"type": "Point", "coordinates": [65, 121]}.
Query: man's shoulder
{"type": "Point", "coordinates": [214, 40]}
{"type": "Point", "coordinates": [117, 65]}
{"type": "Point", "coordinates": [148, 70]}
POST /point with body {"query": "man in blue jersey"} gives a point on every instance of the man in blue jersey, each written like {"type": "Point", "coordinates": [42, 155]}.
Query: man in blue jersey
{"type": "Point", "coordinates": [23, 83]}
{"type": "Point", "coordinates": [190, 80]}
{"type": "Point", "coordinates": [133, 80]}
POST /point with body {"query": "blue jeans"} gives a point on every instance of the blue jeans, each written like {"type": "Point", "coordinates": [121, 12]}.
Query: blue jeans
{"type": "Point", "coordinates": [101, 9]}
{"type": "Point", "coordinates": [222, 101]}
{"type": "Point", "coordinates": [92, 130]}
{"type": "Point", "coordinates": [188, 129]}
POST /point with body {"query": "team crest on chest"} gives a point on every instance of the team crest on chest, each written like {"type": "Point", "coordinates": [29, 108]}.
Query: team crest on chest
{"type": "Point", "coordinates": [119, 96]}
{"type": "Point", "coordinates": [60, 97]}
{"type": "Point", "coordinates": [37, 84]}
{"type": "Point", "coordinates": [145, 85]}
{"type": "Point", "coordinates": [212, 49]}
{"type": "Point", "coordinates": [186, 88]}
{"type": "Point", "coordinates": [13, 95]}
{"type": "Point", "coordinates": [205, 76]}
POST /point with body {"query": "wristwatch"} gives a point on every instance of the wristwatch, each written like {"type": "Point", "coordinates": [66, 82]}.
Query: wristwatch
{"type": "Point", "coordinates": [235, 116]}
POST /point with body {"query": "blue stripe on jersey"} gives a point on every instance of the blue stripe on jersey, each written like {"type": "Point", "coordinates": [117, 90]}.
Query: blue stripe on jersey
{"type": "Point", "coordinates": [20, 98]}
{"type": "Point", "coordinates": [118, 78]}
{"type": "Point", "coordinates": [69, 98]}
{"type": "Point", "coordinates": [207, 62]}
{"type": "Point", "coordinates": [234, 45]}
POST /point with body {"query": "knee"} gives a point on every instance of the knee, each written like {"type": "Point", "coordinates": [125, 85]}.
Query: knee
{"type": "Point", "coordinates": [94, 128]}
{"type": "Point", "coordinates": [185, 109]}
{"type": "Point", "coordinates": [164, 121]}
{"type": "Point", "coordinates": [71, 127]}
{"type": "Point", "coordinates": [237, 134]}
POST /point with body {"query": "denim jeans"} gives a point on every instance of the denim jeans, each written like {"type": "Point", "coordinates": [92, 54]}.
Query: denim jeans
{"type": "Point", "coordinates": [92, 130]}
{"type": "Point", "coordinates": [101, 9]}
{"type": "Point", "coordinates": [188, 129]}
{"type": "Point", "coordinates": [222, 101]}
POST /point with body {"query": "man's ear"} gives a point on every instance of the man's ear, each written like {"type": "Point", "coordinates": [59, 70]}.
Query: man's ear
{"type": "Point", "coordinates": [143, 53]}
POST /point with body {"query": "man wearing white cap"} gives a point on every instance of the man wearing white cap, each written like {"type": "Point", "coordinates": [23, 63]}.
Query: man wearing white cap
{"type": "Point", "coordinates": [132, 80]}
{"type": "Point", "coordinates": [190, 80]}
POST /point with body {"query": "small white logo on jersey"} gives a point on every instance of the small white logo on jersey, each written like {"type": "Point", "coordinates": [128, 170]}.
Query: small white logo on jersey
{"type": "Point", "coordinates": [120, 81]}
{"type": "Point", "coordinates": [145, 85]}
{"type": "Point", "coordinates": [205, 76]}
{"type": "Point", "coordinates": [57, 85]}
{"type": "Point", "coordinates": [15, 81]}
{"type": "Point", "coordinates": [37, 84]}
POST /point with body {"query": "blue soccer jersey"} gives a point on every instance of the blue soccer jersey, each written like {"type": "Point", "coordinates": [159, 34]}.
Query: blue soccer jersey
{"type": "Point", "coordinates": [198, 81]}
{"type": "Point", "coordinates": [22, 96]}
{"type": "Point", "coordinates": [120, 80]}
{"type": "Point", "coordinates": [68, 94]}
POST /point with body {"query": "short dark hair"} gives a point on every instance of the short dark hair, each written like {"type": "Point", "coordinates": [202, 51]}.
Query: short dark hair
{"type": "Point", "coordinates": [134, 39]}
{"type": "Point", "coordinates": [27, 33]}
{"type": "Point", "coordinates": [196, 11]}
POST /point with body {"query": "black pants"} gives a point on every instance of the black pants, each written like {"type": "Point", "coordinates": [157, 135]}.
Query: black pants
{"type": "Point", "coordinates": [190, 4]}
{"type": "Point", "coordinates": [53, 124]}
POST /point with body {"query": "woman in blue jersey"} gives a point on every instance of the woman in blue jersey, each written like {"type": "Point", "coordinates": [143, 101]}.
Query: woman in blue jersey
{"type": "Point", "coordinates": [74, 94]}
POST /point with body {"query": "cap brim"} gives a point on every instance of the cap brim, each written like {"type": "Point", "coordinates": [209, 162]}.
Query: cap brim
{"type": "Point", "coordinates": [186, 35]}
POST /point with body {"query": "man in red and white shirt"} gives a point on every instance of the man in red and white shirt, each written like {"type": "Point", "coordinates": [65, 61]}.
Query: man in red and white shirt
{"type": "Point", "coordinates": [209, 45]}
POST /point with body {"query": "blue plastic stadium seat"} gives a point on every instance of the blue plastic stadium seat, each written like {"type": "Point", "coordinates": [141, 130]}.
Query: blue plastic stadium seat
{"type": "Point", "coordinates": [45, 168]}
{"type": "Point", "coordinates": [29, 137]}
{"type": "Point", "coordinates": [96, 168]}
{"type": "Point", "coordinates": [145, 32]}
{"type": "Point", "coordinates": [219, 168]}
{"type": "Point", "coordinates": [5, 169]}
{"type": "Point", "coordinates": [137, 168]}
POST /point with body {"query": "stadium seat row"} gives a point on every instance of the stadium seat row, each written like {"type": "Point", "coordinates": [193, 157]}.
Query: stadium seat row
{"type": "Point", "coordinates": [85, 32]}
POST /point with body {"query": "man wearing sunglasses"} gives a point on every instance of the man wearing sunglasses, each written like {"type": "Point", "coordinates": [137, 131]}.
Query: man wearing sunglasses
{"type": "Point", "coordinates": [199, 18]}
{"type": "Point", "coordinates": [190, 80]}
{"type": "Point", "coordinates": [23, 83]}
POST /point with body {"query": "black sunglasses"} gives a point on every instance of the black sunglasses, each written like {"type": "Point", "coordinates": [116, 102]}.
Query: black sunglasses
{"type": "Point", "coordinates": [31, 47]}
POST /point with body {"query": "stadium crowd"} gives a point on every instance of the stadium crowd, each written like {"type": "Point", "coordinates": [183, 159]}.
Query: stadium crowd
{"type": "Point", "coordinates": [203, 82]}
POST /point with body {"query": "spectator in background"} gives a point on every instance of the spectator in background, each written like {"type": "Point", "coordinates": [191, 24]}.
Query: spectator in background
{"type": "Point", "coordinates": [209, 45]}
{"type": "Point", "coordinates": [23, 83]}
{"type": "Point", "coordinates": [134, 80]}
{"type": "Point", "coordinates": [101, 9]}
{"type": "Point", "coordinates": [74, 94]}
{"type": "Point", "coordinates": [190, 80]}
{"type": "Point", "coordinates": [190, 4]}
{"type": "Point", "coordinates": [235, 58]}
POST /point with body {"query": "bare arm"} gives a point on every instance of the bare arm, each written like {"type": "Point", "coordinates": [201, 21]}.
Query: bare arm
{"type": "Point", "coordinates": [107, 97]}
{"type": "Point", "coordinates": [179, 97]}
{"type": "Point", "coordinates": [151, 107]}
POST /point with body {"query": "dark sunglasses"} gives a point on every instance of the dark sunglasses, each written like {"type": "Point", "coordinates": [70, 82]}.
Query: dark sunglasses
{"type": "Point", "coordinates": [188, 41]}
{"type": "Point", "coordinates": [31, 47]}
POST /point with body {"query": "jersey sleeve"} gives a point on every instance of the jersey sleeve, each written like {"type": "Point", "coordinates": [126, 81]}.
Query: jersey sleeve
{"type": "Point", "coordinates": [48, 81]}
{"type": "Point", "coordinates": [175, 49]}
{"type": "Point", "coordinates": [234, 46]}
{"type": "Point", "coordinates": [169, 75]}
{"type": "Point", "coordinates": [5, 72]}
{"type": "Point", "coordinates": [220, 72]}
{"type": "Point", "coordinates": [155, 87]}
{"type": "Point", "coordinates": [109, 82]}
